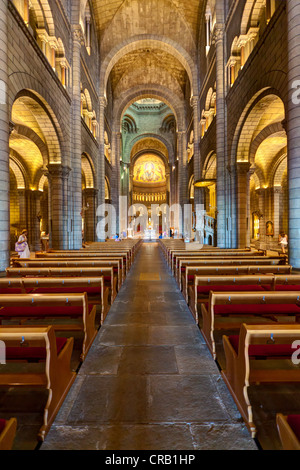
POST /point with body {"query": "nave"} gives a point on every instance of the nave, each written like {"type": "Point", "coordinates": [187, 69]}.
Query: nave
{"type": "Point", "coordinates": [149, 382]}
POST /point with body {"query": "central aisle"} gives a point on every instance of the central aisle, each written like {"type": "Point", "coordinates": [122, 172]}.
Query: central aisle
{"type": "Point", "coordinates": [149, 382]}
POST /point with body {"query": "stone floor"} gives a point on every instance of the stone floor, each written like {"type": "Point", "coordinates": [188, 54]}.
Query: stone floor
{"type": "Point", "coordinates": [149, 382]}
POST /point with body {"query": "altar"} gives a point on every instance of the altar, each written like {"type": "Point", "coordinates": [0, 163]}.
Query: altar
{"type": "Point", "coordinates": [150, 234]}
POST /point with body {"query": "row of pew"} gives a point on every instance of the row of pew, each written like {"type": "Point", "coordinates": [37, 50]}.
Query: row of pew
{"type": "Point", "coordinates": [47, 305]}
{"type": "Point", "coordinates": [247, 306]}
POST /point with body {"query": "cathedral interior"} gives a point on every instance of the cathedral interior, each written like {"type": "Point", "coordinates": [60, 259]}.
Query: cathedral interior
{"type": "Point", "coordinates": [131, 132]}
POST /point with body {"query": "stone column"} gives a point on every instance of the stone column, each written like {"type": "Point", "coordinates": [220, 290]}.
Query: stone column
{"type": "Point", "coordinates": [242, 203]}
{"type": "Point", "coordinates": [277, 192]}
{"type": "Point", "coordinates": [182, 177]}
{"type": "Point", "coordinates": [115, 180]}
{"type": "Point", "coordinates": [232, 216]}
{"type": "Point", "coordinates": [197, 157]}
{"type": "Point", "coordinates": [36, 214]}
{"type": "Point", "coordinates": [293, 129]}
{"type": "Point", "coordinates": [66, 171]}
{"type": "Point", "coordinates": [262, 222]}
{"type": "Point", "coordinates": [220, 138]}
{"type": "Point", "coordinates": [101, 165]}
{"type": "Point", "coordinates": [22, 209]}
{"type": "Point", "coordinates": [58, 201]}
{"type": "Point", "coordinates": [4, 142]}
{"type": "Point", "coordinates": [76, 139]}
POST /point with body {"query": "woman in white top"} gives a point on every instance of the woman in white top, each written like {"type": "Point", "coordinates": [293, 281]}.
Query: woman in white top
{"type": "Point", "coordinates": [283, 241]}
{"type": "Point", "coordinates": [22, 246]}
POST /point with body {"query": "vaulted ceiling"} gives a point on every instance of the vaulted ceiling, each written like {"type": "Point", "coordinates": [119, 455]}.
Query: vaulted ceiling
{"type": "Point", "coordinates": [173, 24]}
{"type": "Point", "coordinates": [147, 11]}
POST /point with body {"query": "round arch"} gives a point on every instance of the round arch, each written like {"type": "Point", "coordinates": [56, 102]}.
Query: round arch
{"type": "Point", "coordinates": [23, 84]}
{"type": "Point", "coordinates": [88, 171]}
{"type": "Point", "coordinates": [152, 41]}
{"type": "Point", "coordinates": [253, 100]}
{"type": "Point", "coordinates": [156, 92]}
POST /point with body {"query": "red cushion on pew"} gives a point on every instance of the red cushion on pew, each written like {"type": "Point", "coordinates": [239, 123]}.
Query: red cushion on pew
{"type": "Point", "coordinates": [2, 425]}
{"type": "Point", "coordinates": [29, 353]}
{"type": "Point", "coordinates": [294, 422]}
{"type": "Point", "coordinates": [32, 311]}
{"type": "Point", "coordinates": [292, 287]}
{"type": "Point", "coordinates": [264, 350]}
{"type": "Point", "coordinates": [267, 287]}
{"type": "Point", "coordinates": [191, 277]}
{"type": "Point", "coordinates": [11, 290]}
{"type": "Point", "coordinates": [228, 288]}
{"type": "Point", "coordinates": [65, 290]}
{"type": "Point", "coordinates": [259, 309]}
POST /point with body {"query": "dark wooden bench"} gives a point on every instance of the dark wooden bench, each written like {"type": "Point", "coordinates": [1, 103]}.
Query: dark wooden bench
{"type": "Point", "coordinates": [219, 256]}
{"type": "Point", "coordinates": [39, 344]}
{"type": "Point", "coordinates": [190, 273]}
{"type": "Point", "coordinates": [228, 310]}
{"type": "Point", "coordinates": [109, 252]}
{"type": "Point", "coordinates": [8, 428]}
{"type": "Point", "coordinates": [74, 263]}
{"type": "Point", "coordinates": [97, 292]}
{"type": "Point", "coordinates": [110, 279]}
{"type": "Point", "coordinates": [85, 255]}
{"type": "Point", "coordinates": [56, 310]}
{"type": "Point", "coordinates": [255, 346]}
{"type": "Point", "coordinates": [178, 258]}
{"type": "Point", "coordinates": [288, 427]}
{"type": "Point", "coordinates": [205, 284]}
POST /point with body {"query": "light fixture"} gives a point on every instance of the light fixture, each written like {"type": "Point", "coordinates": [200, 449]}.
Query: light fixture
{"type": "Point", "coordinates": [203, 183]}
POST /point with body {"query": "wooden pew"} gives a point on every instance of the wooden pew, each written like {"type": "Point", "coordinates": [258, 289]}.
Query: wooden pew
{"type": "Point", "coordinates": [217, 252]}
{"type": "Point", "coordinates": [288, 427]}
{"type": "Point", "coordinates": [228, 310]}
{"type": "Point", "coordinates": [39, 344]}
{"type": "Point", "coordinates": [11, 286]}
{"type": "Point", "coordinates": [287, 283]}
{"type": "Point", "coordinates": [67, 263]}
{"type": "Point", "coordinates": [217, 256]}
{"type": "Point", "coordinates": [85, 255]}
{"type": "Point", "coordinates": [189, 276]}
{"type": "Point", "coordinates": [97, 292]}
{"type": "Point", "coordinates": [110, 280]}
{"type": "Point", "coordinates": [255, 345]}
{"type": "Point", "coordinates": [53, 308]}
{"type": "Point", "coordinates": [168, 250]}
{"type": "Point", "coordinates": [8, 430]}
{"type": "Point", "coordinates": [204, 284]}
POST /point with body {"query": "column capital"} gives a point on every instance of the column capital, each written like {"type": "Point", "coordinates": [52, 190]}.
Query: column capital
{"type": "Point", "coordinates": [11, 127]}
{"type": "Point", "coordinates": [90, 191]}
{"type": "Point", "coordinates": [277, 190]}
{"type": "Point", "coordinates": [58, 170]}
{"type": "Point", "coordinates": [243, 167]}
{"type": "Point", "coordinates": [77, 34]}
{"type": "Point", "coordinates": [284, 124]}
{"type": "Point", "coordinates": [102, 101]}
{"type": "Point", "coordinates": [194, 101]}
{"type": "Point", "coordinates": [37, 194]}
{"type": "Point", "coordinates": [218, 33]}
